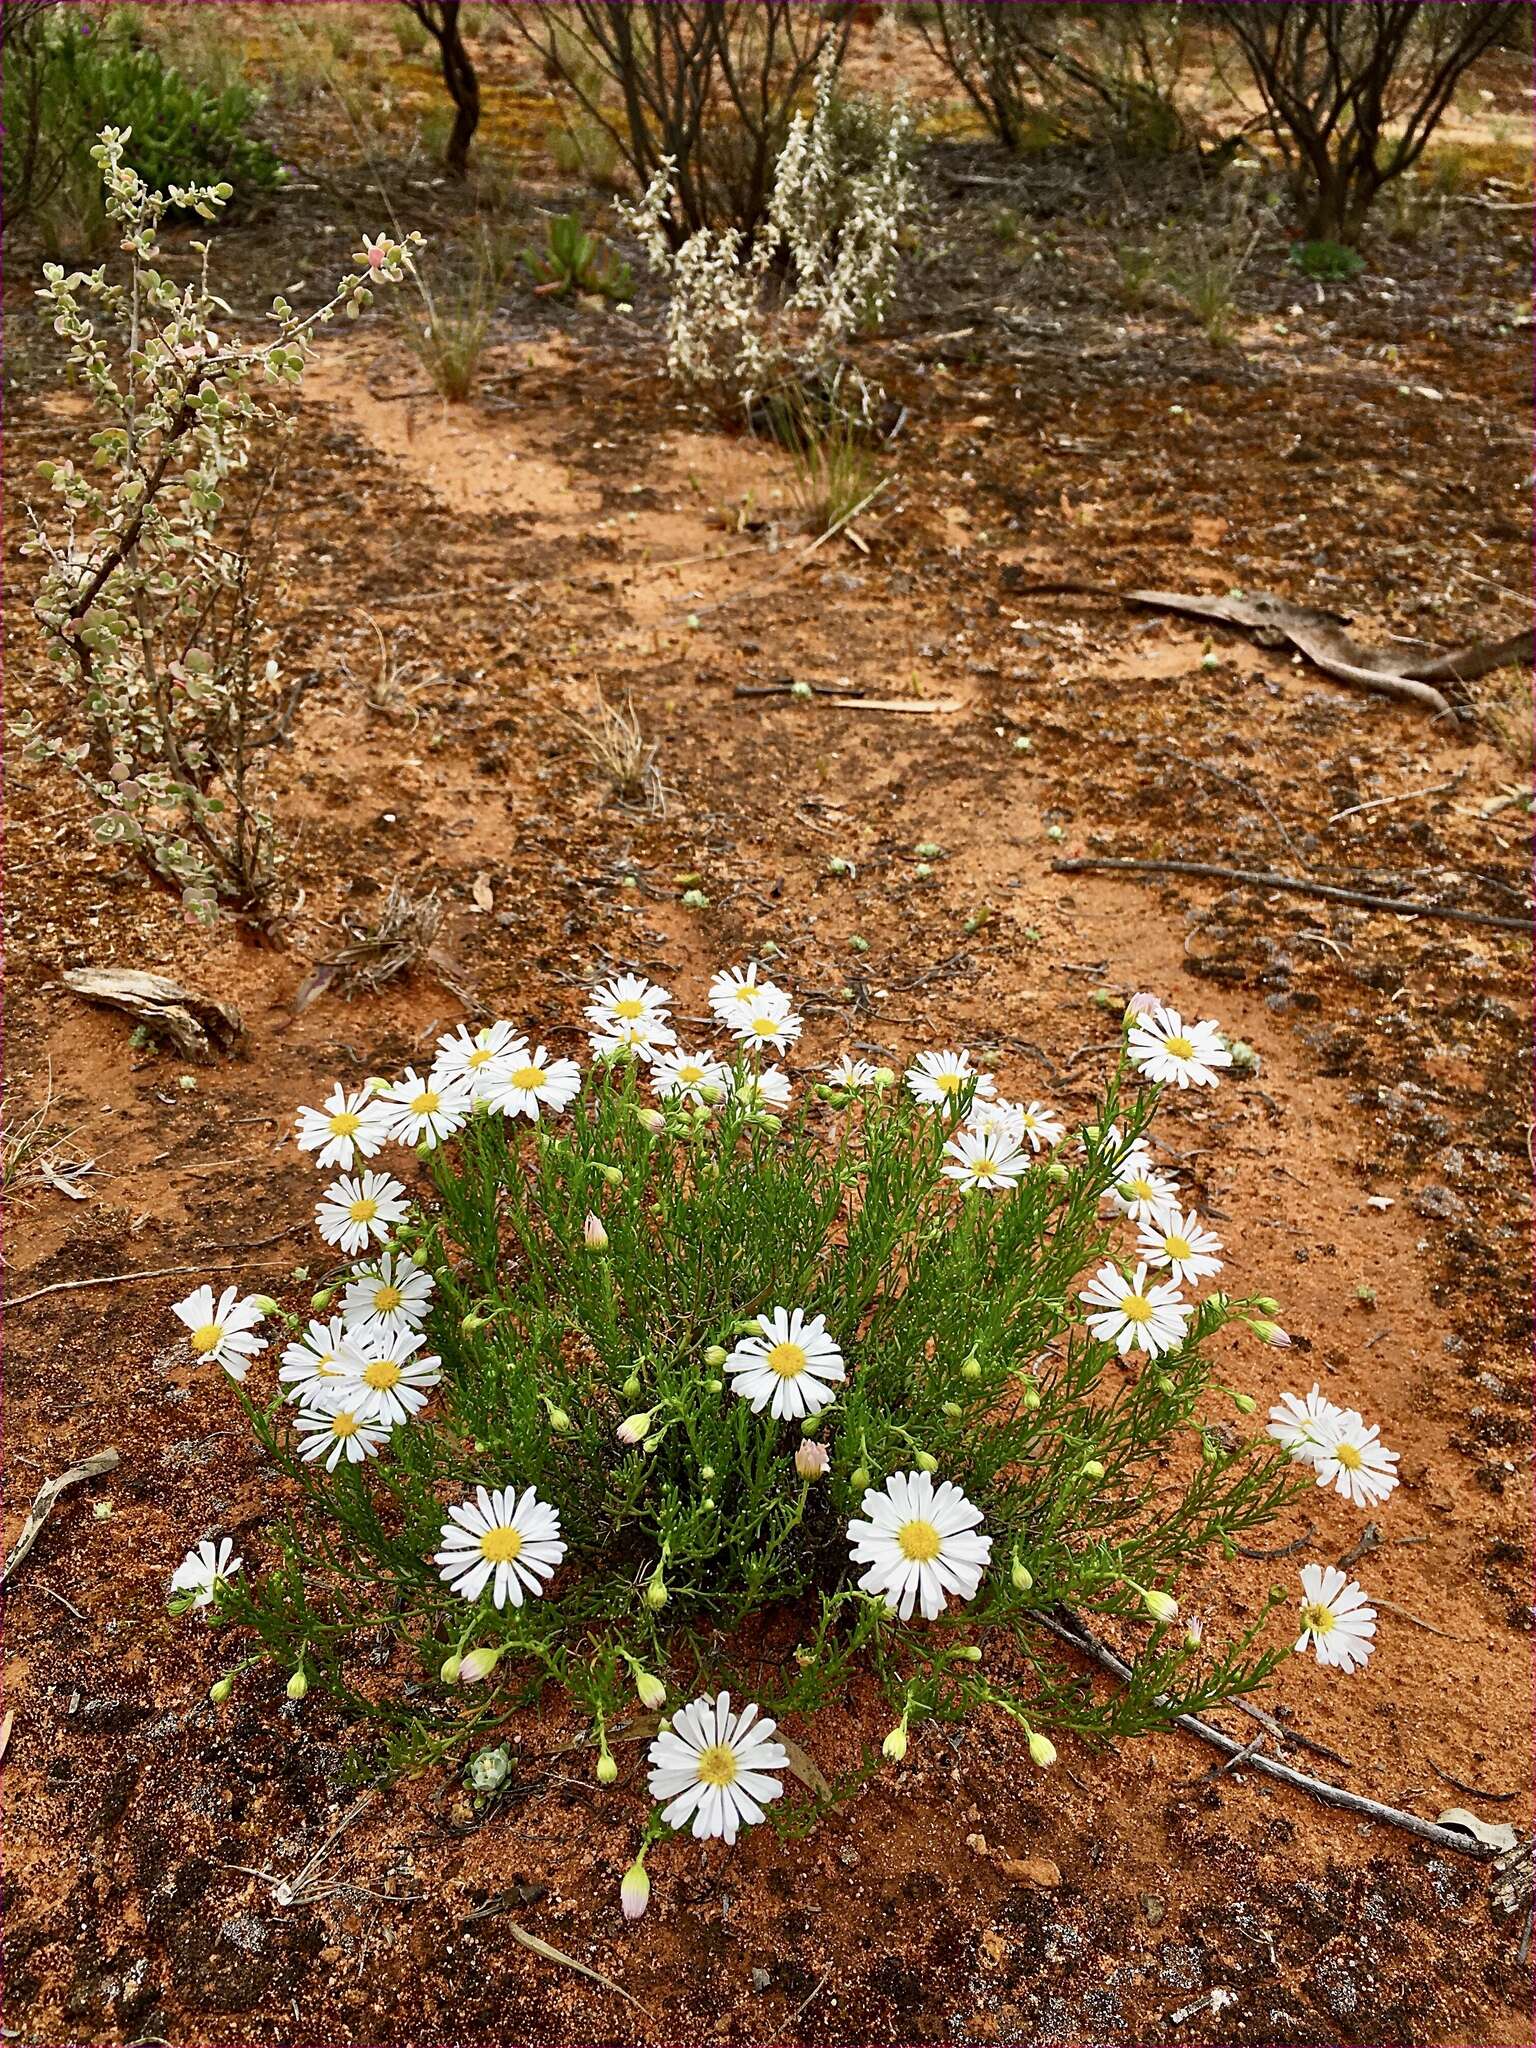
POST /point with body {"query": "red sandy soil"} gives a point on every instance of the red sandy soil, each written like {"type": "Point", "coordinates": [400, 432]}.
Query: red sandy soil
{"type": "Point", "coordinates": [574, 527]}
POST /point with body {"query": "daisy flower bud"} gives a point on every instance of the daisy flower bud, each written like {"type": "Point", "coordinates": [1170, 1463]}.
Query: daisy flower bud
{"type": "Point", "coordinates": [559, 1421]}
{"type": "Point", "coordinates": [1093, 1469]}
{"type": "Point", "coordinates": [926, 1462]}
{"type": "Point", "coordinates": [321, 1301]}
{"type": "Point", "coordinates": [607, 1769]}
{"type": "Point", "coordinates": [968, 1653]}
{"type": "Point", "coordinates": [953, 1410]}
{"type": "Point", "coordinates": [716, 1355]}
{"type": "Point", "coordinates": [752, 1327]}
{"type": "Point", "coordinates": [811, 1459]}
{"type": "Point", "coordinates": [1271, 1333]}
{"type": "Point", "coordinates": [635, 1428]}
{"type": "Point", "coordinates": [1161, 1606]}
{"type": "Point", "coordinates": [714, 1386]}
{"type": "Point", "coordinates": [1244, 1403]}
{"type": "Point", "coordinates": [706, 1473]}
{"type": "Point", "coordinates": [298, 1685]}
{"type": "Point", "coordinates": [895, 1744]}
{"type": "Point", "coordinates": [858, 1478]}
{"type": "Point", "coordinates": [885, 1077]}
{"type": "Point", "coordinates": [220, 1690]}
{"type": "Point", "coordinates": [651, 1119]}
{"type": "Point", "coordinates": [971, 1369]}
{"type": "Point", "coordinates": [635, 1891]}
{"type": "Point", "coordinates": [1023, 1578]}
{"type": "Point", "coordinates": [614, 1175]}
{"type": "Point", "coordinates": [470, 1323]}
{"type": "Point", "coordinates": [650, 1690]}
{"type": "Point", "coordinates": [631, 1387]}
{"type": "Point", "coordinates": [1141, 1005]}
{"type": "Point", "coordinates": [1266, 1305]}
{"type": "Point", "coordinates": [478, 1664]}
{"type": "Point", "coordinates": [265, 1303]}
{"type": "Point", "coordinates": [593, 1235]}
{"type": "Point", "coordinates": [1031, 1398]}
{"type": "Point", "coordinates": [448, 1671]}
{"type": "Point", "coordinates": [1056, 1172]}
{"type": "Point", "coordinates": [656, 1594]}
{"type": "Point", "coordinates": [653, 1441]}
{"type": "Point", "coordinates": [1192, 1633]}
{"type": "Point", "coordinates": [1041, 1749]}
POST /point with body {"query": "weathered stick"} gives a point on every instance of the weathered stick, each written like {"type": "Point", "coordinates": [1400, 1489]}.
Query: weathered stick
{"type": "Point", "coordinates": [1330, 1795]}
{"type": "Point", "coordinates": [42, 1506]}
{"type": "Point", "coordinates": [1401, 906]}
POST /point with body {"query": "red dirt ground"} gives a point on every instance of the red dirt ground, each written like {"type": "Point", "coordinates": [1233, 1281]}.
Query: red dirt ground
{"type": "Point", "coordinates": [574, 527]}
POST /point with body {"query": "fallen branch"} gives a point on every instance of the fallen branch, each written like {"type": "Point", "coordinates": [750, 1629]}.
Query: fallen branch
{"type": "Point", "coordinates": [112, 1279]}
{"type": "Point", "coordinates": [1401, 906]}
{"type": "Point", "coordinates": [42, 1507]}
{"type": "Point", "coordinates": [1330, 1795]}
{"type": "Point", "coordinates": [195, 1024]}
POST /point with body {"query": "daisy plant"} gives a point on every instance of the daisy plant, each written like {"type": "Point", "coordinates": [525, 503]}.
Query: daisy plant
{"type": "Point", "coordinates": [698, 1389]}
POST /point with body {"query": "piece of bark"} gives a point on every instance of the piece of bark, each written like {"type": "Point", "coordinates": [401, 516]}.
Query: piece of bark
{"type": "Point", "coordinates": [196, 1025]}
{"type": "Point", "coordinates": [1321, 637]}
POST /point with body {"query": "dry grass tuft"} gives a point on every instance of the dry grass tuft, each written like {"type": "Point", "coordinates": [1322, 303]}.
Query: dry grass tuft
{"type": "Point", "coordinates": [611, 737]}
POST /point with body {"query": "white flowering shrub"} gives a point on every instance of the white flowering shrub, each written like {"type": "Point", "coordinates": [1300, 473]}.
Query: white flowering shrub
{"type": "Point", "coordinates": [744, 314]}
{"type": "Point", "coordinates": [151, 593]}
{"type": "Point", "coordinates": [662, 1376]}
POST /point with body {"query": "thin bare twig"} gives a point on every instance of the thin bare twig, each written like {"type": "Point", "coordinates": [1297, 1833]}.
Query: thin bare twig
{"type": "Point", "coordinates": [43, 1505]}
{"type": "Point", "coordinates": [1401, 906]}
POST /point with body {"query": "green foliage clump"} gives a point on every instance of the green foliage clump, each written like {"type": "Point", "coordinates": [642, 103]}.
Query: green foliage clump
{"type": "Point", "coordinates": [573, 260]}
{"type": "Point", "coordinates": [1326, 260]}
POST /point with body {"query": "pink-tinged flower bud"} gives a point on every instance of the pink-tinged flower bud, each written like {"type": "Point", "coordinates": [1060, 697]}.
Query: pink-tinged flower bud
{"type": "Point", "coordinates": [1041, 1749]}
{"type": "Point", "coordinates": [1141, 1005]}
{"type": "Point", "coordinates": [1271, 1333]}
{"type": "Point", "coordinates": [635, 1892]}
{"type": "Point", "coordinates": [477, 1665]}
{"type": "Point", "coordinates": [1161, 1606]}
{"type": "Point", "coordinates": [635, 1428]}
{"type": "Point", "coordinates": [811, 1459]}
{"type": "Point", "coordinates": [652, 1692]}
{"type": "Point", "coordinates": [593, 1235]}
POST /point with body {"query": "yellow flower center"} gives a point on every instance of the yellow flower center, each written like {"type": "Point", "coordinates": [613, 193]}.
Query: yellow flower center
{"type": "Point", "coordinates": [1348, 1456]}
{"type": "Point", "coordinates": [717, 1765]}
{"type": "Point", "coordinates": [1140, 1190]}
{"type": "Point", "coordinates": [766, 1027]}
{"type": "Point", "coordinates": [528, 1077]}
{"type": "Point", "coordinates": [919, 1541]}
{"type": "Point", "coordinates": [1178, 1247]}
{"type": "Point", "coordinates": [501, 1546]}
{"type": "Point", "coordinates": [381, 1373]}
{"type": "Point", "coordinates": [746, 995]}
{"type": "Point", "coordinates": [1318, 1617]}
{"type": "Point", "coordinates": [1136, 1308]}
{"type": "Point", "coordinates": [689, 1075]}
{"type": "Point", "coordinates": [206, 1339]}
{"type": "Point", "coordinates": [364, 1209]}
{"type": "Point", "coordinates": [630, 1009]}
{"type": "Point", "coordinates": [346, 1123]}
{"type": "Point", "coordinates": [387, 1300]}
{"type": "Point", "coordinates": [787, 1360]}
{"type": "Point", "coordinates": [480, 1056]}
{"type": "Point", "coordinates": [427, 1103]}
{"type": "Point", "coordinates": [983, 1166]}
{"type": "Point", "coordinates": [949, 1084]}
{"type": "Point", "coordinates": [344, 1424]}
{"type": "Point", "coordinates": [1178, 1047]}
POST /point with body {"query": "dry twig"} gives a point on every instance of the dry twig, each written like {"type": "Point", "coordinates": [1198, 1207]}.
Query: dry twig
{"type": "Point", "coordinates": [1201, 870]}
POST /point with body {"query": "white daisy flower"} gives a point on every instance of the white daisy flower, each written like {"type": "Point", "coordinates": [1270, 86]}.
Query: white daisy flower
{"type": "Point", "coordinates": [937, 1079]}
{"type": "Point", "coordinates": [359, 1210]}
{"type": "Point", "coordinates": [1336, 1619]}
{"type": "Point", "coordinates": [920, 1544]}
{"type": "Point", "coordinates": [423, 1114]}
{"type": "Point", "coordinates": [1165, 1048]}
{"type": "Point", "coordinates": [326, 1351]}
{"type": "Point", "coordinates": [334, 1434]}
{"type": "Point", "coordinates": [714, 1768]}
{"type": "Point", "coordinates": [499, 1540]}
{"type": "Point", "coordinates": [1352, 1459]}
{"type": "Point", "coordinates": [1135, 1314]}
{"type": "Point", "coordinates": [1116, 1151]}
{"type": "Point", "coordinates": [767, 1022]}
{"type": "Point", "coordinates": [1039, 1125]}
{"type": "Point", "coordinates": [474, 1059]}
{"type": "Point", "coordinates": [642, 1039]}
{"type": "Point", "coordinates": [535, 1084]}
{"type": "Point", "coordinates": [735, 990]}
{"type": "Point", "coordinates": [768, 1089]}
{"type": "Point", "coordinates": [348, 1129]}
{"type": "Point", "coordinates": [388, 1384]}
{"type": "Point", "coordinates": [629, 999]}
{"type": "Point", "coordinates": [982, 1160]}
{"type": "Point", "coordinates": [223, 1332]}
{"type": "Point", "coordinates": [1302, 1423]}
{"type": "Point", "coordinates": [203, 1570]}
{"type": "Point", "coordinates": [1142, 1193]}
{"type": "Point", "coordinates": [790, 1369]}
{"type": "Point", "coordinates": [388, 1300]}
{"type": "Point", "coordinates": [688, 1074]}
{"type": "Point", "coordinates": [1182, 1244]}
{"type": "Point", "coordinates": [851, 1073]}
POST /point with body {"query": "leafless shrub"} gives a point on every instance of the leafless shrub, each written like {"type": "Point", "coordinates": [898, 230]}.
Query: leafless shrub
{"type": "Point", "coordinates": [1353, 89]}
{"type": "Point", "coordinates": [712, 84]}
{"type": "Point", "coordinates": [405, 935]}
{"type": "Point", "coordinates": [611, 737]}
{"type": "Point", "coordinates": [442, 19]}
